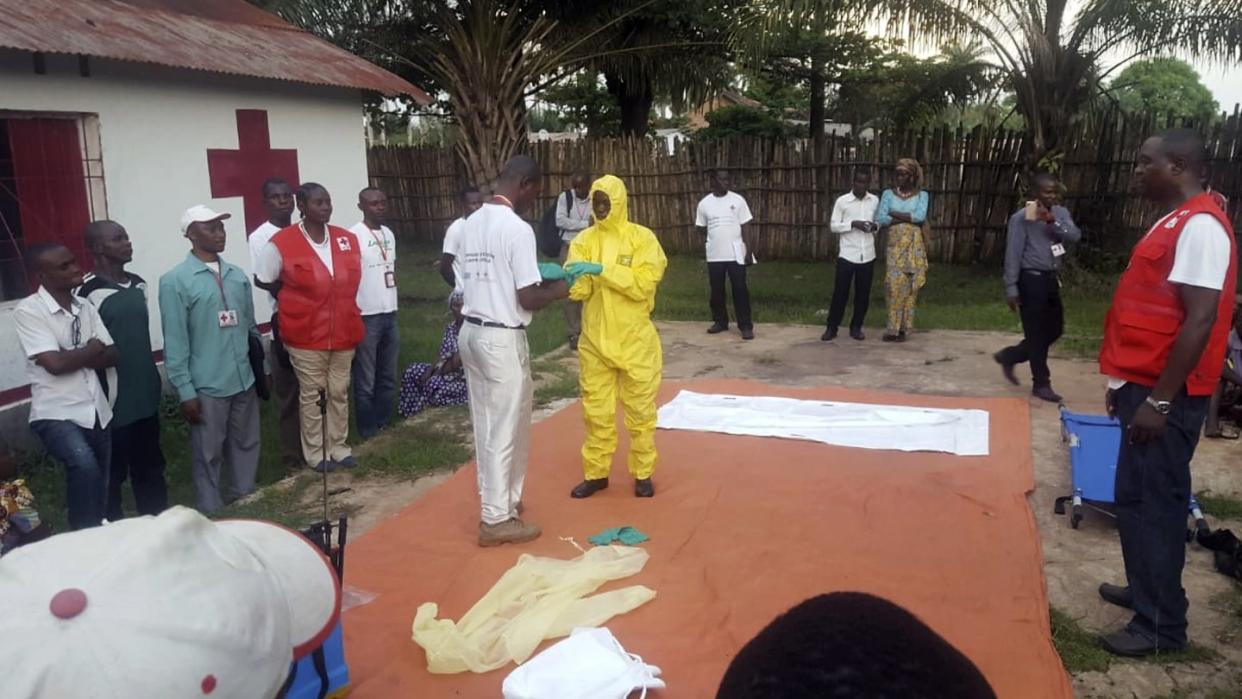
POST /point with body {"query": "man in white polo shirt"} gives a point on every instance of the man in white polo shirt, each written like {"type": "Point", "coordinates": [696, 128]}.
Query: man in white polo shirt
{"type": "Point", "coordinates": [65, 342]}
{"type": "Point", "coordinates": [375, 360]}
{"type": "Point", "coordinates": [852, 220]}
{"type": "Point", "coordinates": [723, 215]}
{"type": "Point", "coordinates": [502, 284]}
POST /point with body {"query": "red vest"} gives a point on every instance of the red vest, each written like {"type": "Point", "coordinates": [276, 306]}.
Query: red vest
{"type": "Point", "coordinates": [1147, 314]}
{"type": "Point", "coordinates": [318, 310]}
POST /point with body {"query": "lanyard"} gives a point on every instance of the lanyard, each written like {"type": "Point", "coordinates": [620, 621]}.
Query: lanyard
{"type": "Point", "coordinates": [378, 242]}
{"type": "Point", "coordinates": [502, 199]}
{"type": "Point", "coordinates": [220, 282]}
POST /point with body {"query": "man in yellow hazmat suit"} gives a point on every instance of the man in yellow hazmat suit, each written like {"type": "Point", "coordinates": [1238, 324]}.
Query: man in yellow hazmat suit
{"type": "Point", "coordinates": [615, 267]}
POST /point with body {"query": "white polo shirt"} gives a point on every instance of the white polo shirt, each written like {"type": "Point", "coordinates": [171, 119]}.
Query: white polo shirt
{"type": "Point", "coordinates": [723, 217]}
{"type": "Point", "coordinates": [257, 240]}
{"type": "Point", "coordinates": [379, 261]}
{"type": "Point", "coordinates": [452, 246]}
{"type": "Point", "coordinates": [497, 258]}
{"type": "Point", "coordinates": [43, 326]}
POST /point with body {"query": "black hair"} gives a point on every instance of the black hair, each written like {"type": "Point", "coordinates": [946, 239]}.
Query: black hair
{"type": "Point", "coordinates": [580, 172]}
{"type": "Point", "coordinates": [94, 230]}
{"type": "Point", "coordinates": [1041, 176]}
{"type": "Point", "coordinates": [465, 191]}
{"type": "Point", "coordinates": [307, 189]}
{"type": "Point", "coordinates": [1184, 143]}
{"type": "Point", "coordinates": [35, 254]}
{"type": "Point", "coordinates": [861, 172]}
{"type": "Point", "coordinates": [273, 182]}
{"type": "Point", "coordinates": [519, 168]}
{"type": "Point", "coordinates": [848, 645]}
{"type": "Point", "coordinates": [364, 190]}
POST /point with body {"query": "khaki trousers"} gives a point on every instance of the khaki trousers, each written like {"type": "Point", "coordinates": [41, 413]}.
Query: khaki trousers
{"type": "Point", "coordinates": [328, 371]}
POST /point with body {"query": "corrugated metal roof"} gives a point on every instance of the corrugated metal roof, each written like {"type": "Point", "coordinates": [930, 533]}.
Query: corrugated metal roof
{"type": "Point", "coordinates": [219, 36]}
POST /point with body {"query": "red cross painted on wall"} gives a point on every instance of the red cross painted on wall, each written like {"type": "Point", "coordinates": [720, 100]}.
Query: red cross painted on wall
{"type": "Point", "coordinates": [241, 172]}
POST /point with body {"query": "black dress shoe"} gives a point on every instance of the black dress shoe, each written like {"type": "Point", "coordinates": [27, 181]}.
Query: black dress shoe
{"type": "Point", "coordinates": [1117, 594]}
{"type": "Point", "coordinates": [748, 334]}
{"type": "Point", "coordinates": [1129, 644]}
{"type": "Point", "coordinates": [1046, 393]}
{"type": "Point", "coordinates": [901, 336]}
{"type": "Point", "coordinates": [829, 335]}
{"type": "Point", "coordinates": [644, 488]}
{"type": "Point", "coordinates": [858, 335]}
{"type": "Point", "coordinates": [589, 487]}
{"type": "Point", "coordinates": [1006, 369]}
{"type": "Point", "coordinates": [717, 329]}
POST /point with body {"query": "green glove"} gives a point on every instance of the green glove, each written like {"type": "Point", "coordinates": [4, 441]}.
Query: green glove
{"type": "Point", "coordinates": [551, 271]}
{"type": "Point", "coordinates": [578, 269]}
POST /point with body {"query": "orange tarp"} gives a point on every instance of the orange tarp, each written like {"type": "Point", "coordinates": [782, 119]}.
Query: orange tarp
{"type": "Point", "coordinates": [741, 528]}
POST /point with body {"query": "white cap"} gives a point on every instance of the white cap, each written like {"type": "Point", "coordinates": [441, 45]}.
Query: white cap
{"type": "Point", "coordinates": [170, 606]}
{"type": "Point", "coordinates": [200, 214]}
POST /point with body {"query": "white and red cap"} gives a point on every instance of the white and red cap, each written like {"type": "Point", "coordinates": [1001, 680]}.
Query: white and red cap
{"type": "Point", "coordinates": [174, 606]}
{"type": "Point", "coordinates": [200, 214]}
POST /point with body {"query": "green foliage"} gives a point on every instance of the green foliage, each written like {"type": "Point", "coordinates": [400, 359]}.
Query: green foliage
{"type": "Point", "coordinates": [584, 103]}
{"type": "Point", "coordinates": [1079, 649]}
{"type": "Point", "coordinates": [1163, 86]}
{"type": "Point", "coordinates": [741, 120]}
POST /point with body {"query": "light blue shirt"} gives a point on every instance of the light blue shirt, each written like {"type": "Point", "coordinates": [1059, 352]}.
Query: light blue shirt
{"type": "Point", "coordinates": [916, 206]}
{"type": "Point", "coordinates": [200, 356]}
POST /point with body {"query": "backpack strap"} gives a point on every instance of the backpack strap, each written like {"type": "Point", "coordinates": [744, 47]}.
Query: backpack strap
{"type": "Point", "coordinates": [569, 201]}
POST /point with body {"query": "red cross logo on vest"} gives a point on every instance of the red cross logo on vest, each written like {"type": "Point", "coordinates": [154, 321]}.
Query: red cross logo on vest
{"type": "Point", "coordinates": [241, 172]}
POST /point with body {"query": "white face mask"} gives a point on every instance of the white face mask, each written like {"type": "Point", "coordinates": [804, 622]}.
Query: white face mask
{"type": "Point", "coordinates": [590, 664]}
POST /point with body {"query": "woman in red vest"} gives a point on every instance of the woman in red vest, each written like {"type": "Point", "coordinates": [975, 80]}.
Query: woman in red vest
{"type": "Point", "coordinates": [1164, 349]}
{"type": "Point", "coordinates": [317, 267]}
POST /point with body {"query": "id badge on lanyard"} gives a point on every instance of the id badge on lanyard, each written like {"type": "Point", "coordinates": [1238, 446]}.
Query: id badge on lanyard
{"type": "Point", "coordinates": [390, 277]}
{"type": "Point", "coordinates": [227, 317]}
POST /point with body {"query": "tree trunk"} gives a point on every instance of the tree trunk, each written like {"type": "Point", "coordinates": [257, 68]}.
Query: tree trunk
{"type": "Point", "coordinates": [634, 98]}
{"type": "Point", "coordinates": [817, 117]}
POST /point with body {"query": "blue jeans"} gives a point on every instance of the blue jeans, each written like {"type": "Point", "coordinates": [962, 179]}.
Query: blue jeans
{"type": "Point", "coordinates": [375, 373]}
{"type": "Point", "coordinates": [1151, 501]}
{"type": "Point", "coordinates": [86, 455]}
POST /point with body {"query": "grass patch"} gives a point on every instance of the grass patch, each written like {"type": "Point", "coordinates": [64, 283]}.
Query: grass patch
{"type": "Point", "coordinates": [1228, 604]}
{"type": "Point", "coordinates": [439, 439]}
{"type": "Point", "coordinates": [285, 503]}
{"type": "Point", "coordinates": [1220, 506]}
{"type": "Point", "coordinates": [1079, 649]}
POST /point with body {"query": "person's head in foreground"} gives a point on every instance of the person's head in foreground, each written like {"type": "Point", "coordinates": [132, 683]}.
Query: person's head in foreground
{"type": "Point", "coordinates": [850, 645]}
{"type": "Point", "coordinates": [171, 606]}
{"type": "Point", "coordinates": [1170, 166]}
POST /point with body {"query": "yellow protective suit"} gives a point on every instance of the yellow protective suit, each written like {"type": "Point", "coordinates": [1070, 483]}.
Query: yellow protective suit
{"type": "Point", "coordinates": [619, 350]}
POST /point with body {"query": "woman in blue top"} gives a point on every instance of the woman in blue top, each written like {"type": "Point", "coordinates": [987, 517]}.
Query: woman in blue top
{"type": "Point", "coordinates": [903, 211]}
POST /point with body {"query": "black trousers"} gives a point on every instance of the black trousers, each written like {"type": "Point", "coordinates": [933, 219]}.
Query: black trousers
{"type": "Point", "coordinates": [1151, 501]}
{"type": "Point", "coordinates": [860, 276]}
{"type": "Point", "coordinates": [716, 273]}
{"type": "Point", "coordinates": [1043, 321]}
{"type": "Point", "coordinates": [136, 455]}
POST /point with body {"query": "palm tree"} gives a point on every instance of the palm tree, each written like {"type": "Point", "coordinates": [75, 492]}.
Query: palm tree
{"type": "Point", "coordinates": [1056, 57]}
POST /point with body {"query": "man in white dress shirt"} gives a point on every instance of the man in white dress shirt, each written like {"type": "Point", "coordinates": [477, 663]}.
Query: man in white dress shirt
{"type": "Point", "coordinates": [375, 359]}
{"type": "Point", "coordinates": [852, 220]}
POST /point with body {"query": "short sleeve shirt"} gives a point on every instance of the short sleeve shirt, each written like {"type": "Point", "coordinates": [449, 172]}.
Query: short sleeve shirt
{"type": "Point", "coordinates": [134, 386]}
{"type": "Point", "coordinates": [452, 244]}
{"type": "Point", "coordinates": [723, 217]}
{"type": "Point", "coordinates": [379, 265]}
{"type": "Point", "coordinates": [44, 326]}
{"type": "Point", "coordinates": [497, 258]}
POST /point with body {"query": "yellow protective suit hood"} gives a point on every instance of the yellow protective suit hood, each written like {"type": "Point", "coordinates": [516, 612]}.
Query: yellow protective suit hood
{"type": "Point", "coordinates": [619, 349]}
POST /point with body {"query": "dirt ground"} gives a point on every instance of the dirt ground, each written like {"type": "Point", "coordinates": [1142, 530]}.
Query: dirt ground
{"type": "Point", "coordinates": [960, 364]}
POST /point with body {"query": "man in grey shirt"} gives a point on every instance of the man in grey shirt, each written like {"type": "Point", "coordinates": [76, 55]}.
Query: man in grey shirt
{"type": "Point", "coordinates": [573, 215]}
{"type": "Point", "coordinates": [1038, 234]}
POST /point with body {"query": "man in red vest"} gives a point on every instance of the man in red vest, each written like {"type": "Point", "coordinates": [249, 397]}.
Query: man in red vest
{"type": "Point", "coordinates": [318, 267]}
{"type": "Point", "coordinates": [1164, 347]}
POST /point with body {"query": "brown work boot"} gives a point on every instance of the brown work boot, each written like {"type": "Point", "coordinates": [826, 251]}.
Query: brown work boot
{"type": "Point", "coordinates": [510, 531]}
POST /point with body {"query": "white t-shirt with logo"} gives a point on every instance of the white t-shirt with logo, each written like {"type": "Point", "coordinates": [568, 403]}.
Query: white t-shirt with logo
{"type": "Point", "coordinates": [497, 257]}
{"type": "Point", "coordinates": [723, 217]}
{"type": "Point", "coordinates": [452, 246]}
{"type": "Point", "coordinates": [379, 258]}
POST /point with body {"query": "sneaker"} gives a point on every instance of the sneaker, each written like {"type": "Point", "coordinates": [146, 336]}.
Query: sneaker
{"type": "Point", "coordinates": [748, 334]}
{"type": "Point", "coordinates": [1046, 393]}
{"type": "Point", "coordinates": [587, 488]}
{"type": "Point", "coordinates": [889, 337]}
{"type": "Point", "coordinates": [644, 488]}
{"type": "Point", "coordinates": [347, 462]}
{"type": "Point", "coordinates": [829, 335]}
{"type": "Point", "coordinates": [324, 467]}
{"type": "Point", "coordinates": [1117, 594]}
{"type": "Point", "coordinates": [1128, 644]}
{"type": "Point", "coordinates": [717, 329]}
{"type": "Point", "coordinates": [510, 531]}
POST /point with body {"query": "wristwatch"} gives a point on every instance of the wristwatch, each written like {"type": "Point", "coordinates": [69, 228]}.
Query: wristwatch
{"type": "Point", "coordinates": [1161, 406]}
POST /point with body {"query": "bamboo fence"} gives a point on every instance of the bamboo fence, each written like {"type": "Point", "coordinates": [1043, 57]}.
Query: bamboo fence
{"type": "Point", "coordinates": [974, 178]}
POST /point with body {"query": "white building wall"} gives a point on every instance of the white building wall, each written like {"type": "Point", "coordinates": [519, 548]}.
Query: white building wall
{"type": "Point", "coordinates": [156, 125]}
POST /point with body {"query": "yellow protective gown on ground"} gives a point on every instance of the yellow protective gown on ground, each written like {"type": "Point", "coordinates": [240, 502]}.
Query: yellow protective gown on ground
{"type": "Point", "coordinates": [537, 599]}
{"type": "Point", "coordinates": [619, 349]}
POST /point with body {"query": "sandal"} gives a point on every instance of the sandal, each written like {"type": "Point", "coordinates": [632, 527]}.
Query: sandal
{"type": "Point", "coordinates": [889, 338]}
{"type": "Point", "coordinates": [1221, 433]}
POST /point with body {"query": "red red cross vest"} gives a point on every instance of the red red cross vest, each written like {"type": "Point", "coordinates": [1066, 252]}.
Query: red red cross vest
{"type": "Point", "coordinates": [1147, 314]}
{"type": "Point", "coordinates": [318, 310]}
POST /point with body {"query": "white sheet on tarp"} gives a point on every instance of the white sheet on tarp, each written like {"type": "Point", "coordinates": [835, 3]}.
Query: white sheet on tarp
{"type": "Point", "coordinates": [861, 425]}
